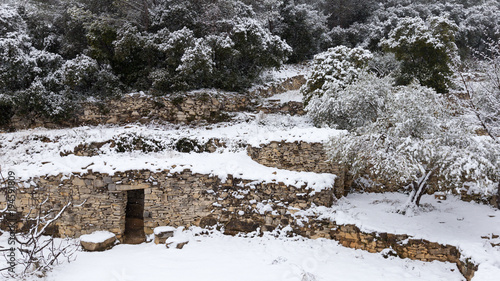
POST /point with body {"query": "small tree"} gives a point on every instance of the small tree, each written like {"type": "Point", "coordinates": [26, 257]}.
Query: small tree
{"type": "Point", "coordinates": [355, 105]}
{"type": "Point", "coordinates": [484, 95]}
{"type": "Point", "coordinates": [426, 49]}
{"type": "Point", "coordinates": [37, 252]}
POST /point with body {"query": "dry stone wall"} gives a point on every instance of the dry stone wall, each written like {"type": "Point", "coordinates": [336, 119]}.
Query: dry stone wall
{"type": "Point", "coordinates": [289, 84]}
{"type": "Point", "coordinates": [184, 108]}
{"type": "Point", "coordinates": [234, 205]}
{"type": "Point", "coordinates": [396, 245]}
{"type": "Point", "coordinates": [402, 246]}
{"type": "Point", "coordinates": [298, 156]}
{"type": "Point", "coordinates": [178, 199]}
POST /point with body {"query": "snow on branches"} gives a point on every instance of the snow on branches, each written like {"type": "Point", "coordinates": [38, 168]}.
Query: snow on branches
{"type": "Point", "coordinates": [335, 67]}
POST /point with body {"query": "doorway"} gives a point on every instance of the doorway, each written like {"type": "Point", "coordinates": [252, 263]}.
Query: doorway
{"type": "Point", "coordinates": [134, 217]}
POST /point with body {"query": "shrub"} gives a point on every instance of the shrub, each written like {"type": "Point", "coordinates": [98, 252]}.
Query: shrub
{"type": "Point", "coordinates": [352, 106]}
{"type": "Point", "coordinates": [337, 67]}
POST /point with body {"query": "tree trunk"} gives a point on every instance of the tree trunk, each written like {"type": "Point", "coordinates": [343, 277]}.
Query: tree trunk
{"type": "Point", "coordinates": [419, 188]}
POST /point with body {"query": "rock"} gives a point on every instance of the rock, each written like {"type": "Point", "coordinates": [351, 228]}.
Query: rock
{"type": "Point", "coordinates": [162, 233]}
{"type": "Point", "coordinates": [177, 244]}
{"type": "Point", "coordinates": [235, 226]}
{"type": "Point", "coordinates": [98, 241]}
{"type": "Point", "coordinates": [181, 245]}
{"type": "Point", "coordinates": [440, 196]}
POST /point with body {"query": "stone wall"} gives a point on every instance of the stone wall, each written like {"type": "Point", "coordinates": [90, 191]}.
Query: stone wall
{"type": "Point", "coordinates": [402, 246]}
{"type": "Point", "coordinates": [289, 84]}
{"type": "Point", "coordinates": [397, 245]}
{"type": "Point", "coordinates": [144, 109]}
{"type": "Point", "coordinates": [179, 199]}
{"type": "Point", "coordinates": [183, 108]}
{"type": "Point", "coordinates": [298, 156]}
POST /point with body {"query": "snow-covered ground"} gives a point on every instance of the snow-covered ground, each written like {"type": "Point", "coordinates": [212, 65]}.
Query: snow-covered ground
{"type": "Point", "coordinates": [285, 71]}
{"type": "Point", "coordinates": [285, 97]}
{"type": "Point", "coordinates": [217, 257]}
{"type": "Point", "coordinates": [473, 228]}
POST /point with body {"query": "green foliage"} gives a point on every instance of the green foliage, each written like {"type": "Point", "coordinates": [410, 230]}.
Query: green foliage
{"type": "Point", "coordinates": [39, 101]}
{"type": "Point", "coordinates": [16, 63]}
{"type": "Point", "coordinates": [83, 77]}
{"type": "Point", "coordinates": [100, 37]}
{"type": "Point", "coordinates": [132, 57]}
{"type": "Point", "coordinates": [134, 142]}
{"type": "Point", "coordinates": [188, 145]}
{"type": "Point", "coordinates": [427, 51]}
{"type": "Point", "coordinates": [6, 111]}
{"type": "Point", "coordinates": [303, 28]}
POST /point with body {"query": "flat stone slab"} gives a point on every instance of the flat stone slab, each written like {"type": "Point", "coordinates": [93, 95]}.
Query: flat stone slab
{"type": "Point", "coordinates": [98, 241]}
{"type": "Point", "coordinates": [162, 233]}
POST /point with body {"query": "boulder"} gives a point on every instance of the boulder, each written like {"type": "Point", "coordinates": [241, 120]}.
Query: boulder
{"type": "Point", "coordinates": [98, 241]}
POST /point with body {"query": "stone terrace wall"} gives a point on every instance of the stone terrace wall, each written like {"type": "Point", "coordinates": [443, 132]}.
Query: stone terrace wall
{"type": "Point", "coordinates": [185, 108]}
{"type": "Point", "coordinates": [146, 109]}
{"type": "Point", "coordinates": [298, 156]}
{"type": "Point", "coordinates": [179, 199]}
{"type": "Point", "coordinates": [289, 84]}
{"type": "Point", "coordinates": [187, 199]}
{"type": "Point", "coordinates": [402, 246]}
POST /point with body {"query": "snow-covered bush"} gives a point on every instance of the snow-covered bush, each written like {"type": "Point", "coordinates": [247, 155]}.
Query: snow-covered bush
{"type": "Point", "coordinates": [132, 57]}
{"type": "Point", "coordinates": [17, 66]}
{"type": "Point", "coordinates": [39, 101]}
{"type": "Point", "coordinates": [478, 24]}
{"type": "Point", "coordinates": [256, 49]}
{"type": "Point", "coordinates": [100, 37]}
{"type": "Point", "coordinates": [335, 68]}
{"type": "Point", "coordinates": [174, 15]}
{"type": "Point", "coordinates": [83, 77]}
{"type": "Point", "coordinates": [171, 47]}
{"type": "Point", "coordinates": [353, 105]}
{"type": "Point", "coordinates": [197, 65]}
{"type": "Point", "coordinates": [426, 49]}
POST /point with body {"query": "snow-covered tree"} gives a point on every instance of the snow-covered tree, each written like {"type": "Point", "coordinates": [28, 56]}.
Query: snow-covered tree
{"type": "Point", "coordinates": [477, 25]}
{"type": "Point", "coordinates": [303, 27]}
{"type": "Point", "coordinates": [334, 68]}
{"type": "Point", "coordinates": [407, 136]}
{"type": "Point", "coordinates": [483, 99]}
{"type": "Point", "coordinates": [197, 64]}
{"type": "Point", "coordinates": [426, 49]}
